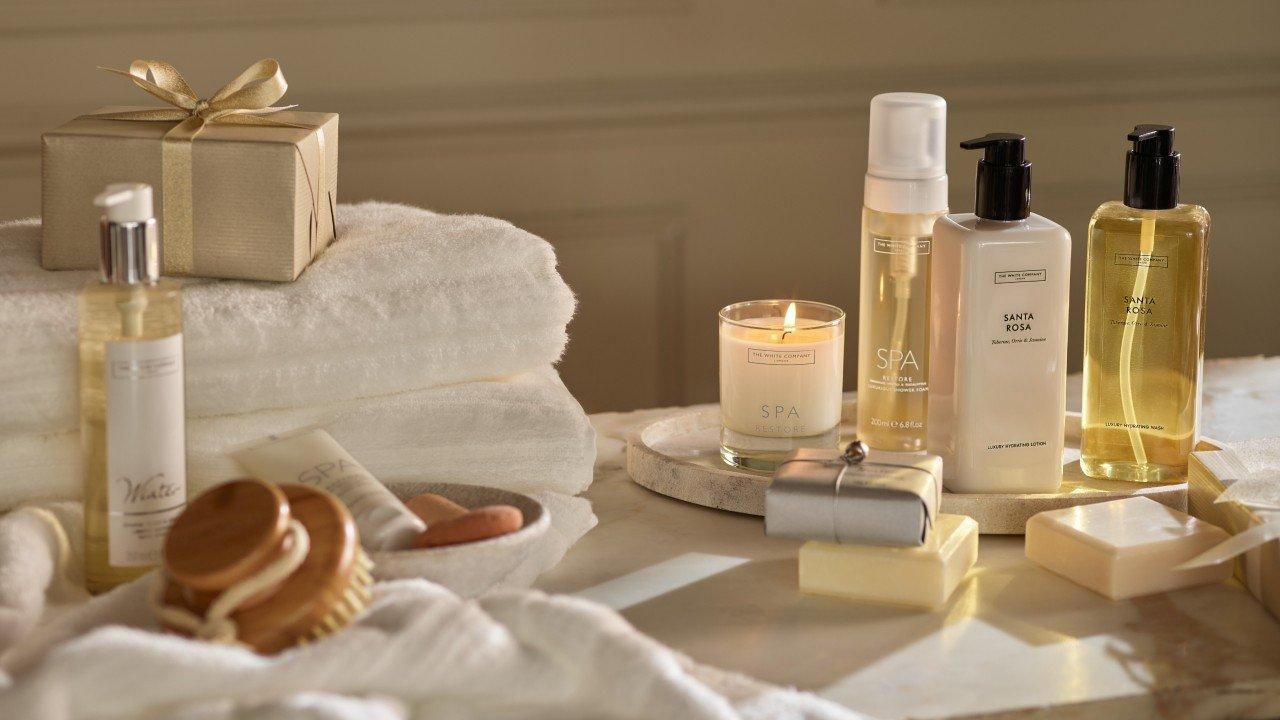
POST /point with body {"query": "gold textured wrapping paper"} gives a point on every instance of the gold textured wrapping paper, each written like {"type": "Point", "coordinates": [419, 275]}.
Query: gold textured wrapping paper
{"type": "Point", "coordinates": [241, 192]}
{"type": "Point", "coordinates": [1209, 475]}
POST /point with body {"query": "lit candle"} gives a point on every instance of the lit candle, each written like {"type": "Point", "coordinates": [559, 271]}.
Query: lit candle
{"type": "Point", "coordinates": [781, 375]}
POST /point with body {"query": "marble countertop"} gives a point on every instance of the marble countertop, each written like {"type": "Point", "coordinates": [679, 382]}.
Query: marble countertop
{"type": "Point", "coordinates": [1015, 641]}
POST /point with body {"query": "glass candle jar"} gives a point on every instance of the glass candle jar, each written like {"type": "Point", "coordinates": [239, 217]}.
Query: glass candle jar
{"type": "Point", "coordinates": [781, 377]}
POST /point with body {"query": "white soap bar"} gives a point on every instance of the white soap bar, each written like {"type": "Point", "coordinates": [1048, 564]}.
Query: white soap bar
{"type": "Point", "coordinates": [1124, 548]}
{"type": "Point", "coordinates": [921, 576]}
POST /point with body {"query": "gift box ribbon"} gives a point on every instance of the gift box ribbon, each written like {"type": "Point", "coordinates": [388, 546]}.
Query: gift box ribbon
{"type": "Point", "coordinates": [1258, 492]}
{"type": "Point", "coordinates": [246, 100]}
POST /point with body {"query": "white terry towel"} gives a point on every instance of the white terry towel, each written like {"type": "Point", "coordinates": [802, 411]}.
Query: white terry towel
{"type": "Point", "coordinates": [404, 299]}
{"type": "Point", "coordinates": [525, 433]}
{"type": "Point", "coordinates": [418, 652]}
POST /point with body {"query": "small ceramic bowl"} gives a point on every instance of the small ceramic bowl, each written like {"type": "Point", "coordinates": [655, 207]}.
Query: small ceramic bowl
{"type": "Point", "coordinates": [467, 568]}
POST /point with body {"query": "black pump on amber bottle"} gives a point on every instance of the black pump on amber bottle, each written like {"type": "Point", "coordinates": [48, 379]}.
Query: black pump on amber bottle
{"type": "Point", "coordinates": [1151, 169]}
{"type": "Point", "coordinates": [1004, 176]}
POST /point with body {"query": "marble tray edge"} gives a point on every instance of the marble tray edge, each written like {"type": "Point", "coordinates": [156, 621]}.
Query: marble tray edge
{"type": "Point", "coordinates": [742, 491]}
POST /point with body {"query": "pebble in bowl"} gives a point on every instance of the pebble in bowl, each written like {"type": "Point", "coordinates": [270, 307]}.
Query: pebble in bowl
{"type": "Point", "coordinates": [470, 568]}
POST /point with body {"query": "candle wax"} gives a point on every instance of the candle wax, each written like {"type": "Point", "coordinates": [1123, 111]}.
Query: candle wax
{"type": "Point", "coordinates": [778, 382]}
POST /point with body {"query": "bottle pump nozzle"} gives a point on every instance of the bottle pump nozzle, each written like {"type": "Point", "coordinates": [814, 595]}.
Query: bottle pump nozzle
{"type": "Point", "coordinates": [1151, 169]}
{"type": "Point", "coordinates": [130, 242]}
{"type": "Point", "coordinates": [1004, 176]}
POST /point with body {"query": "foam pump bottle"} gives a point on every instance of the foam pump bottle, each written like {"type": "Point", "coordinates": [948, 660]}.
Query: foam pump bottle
{"type": "Point", "coordinates": [1000, 291]}
{"type": "Point", "coordinates": [1144, 321]}
{"type": "Point", "coordinates": [131, 395]}
{"type": "Point", "coordinates": [905, 192]}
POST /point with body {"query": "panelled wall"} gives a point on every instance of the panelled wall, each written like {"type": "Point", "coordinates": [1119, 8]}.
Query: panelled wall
{"type": "Point", "coordinates": [683, 154]}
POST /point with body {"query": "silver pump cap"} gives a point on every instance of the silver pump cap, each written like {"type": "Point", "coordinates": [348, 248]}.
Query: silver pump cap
{"type": "Point", "coordinates": [130, 240]}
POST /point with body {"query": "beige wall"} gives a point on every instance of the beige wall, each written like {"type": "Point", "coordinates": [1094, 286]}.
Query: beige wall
{"type": "Point", "coordinates": [683, 154]}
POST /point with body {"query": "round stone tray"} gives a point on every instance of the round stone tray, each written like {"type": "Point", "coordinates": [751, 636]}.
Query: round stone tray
{"type": "Point", "coordinates": [679, 456]}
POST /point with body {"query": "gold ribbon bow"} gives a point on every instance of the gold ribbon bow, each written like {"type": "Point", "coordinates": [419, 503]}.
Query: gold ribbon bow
{"type": "Point", "coordinates": [246, 100]}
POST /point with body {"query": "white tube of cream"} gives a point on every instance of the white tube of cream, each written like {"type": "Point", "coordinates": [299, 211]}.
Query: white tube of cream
{"type": "Point", "coordinates": [312, 457]}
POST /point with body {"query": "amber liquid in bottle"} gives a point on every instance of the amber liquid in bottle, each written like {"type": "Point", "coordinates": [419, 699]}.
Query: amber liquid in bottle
{"type": "Point", "coordinates": [1144, 341]}
{"type": "Point", "coordinates": [113, 313]}
{"type": "Point", "coordinates": [893, 329]}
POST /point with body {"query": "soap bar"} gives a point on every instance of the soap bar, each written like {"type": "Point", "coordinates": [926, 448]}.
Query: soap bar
{"type": "Point", "coordinates": [919, 576]}
{"type": "Point", "coordinates": [858, 496]}
{"type": "Point", "coordinates": [1124, 548]}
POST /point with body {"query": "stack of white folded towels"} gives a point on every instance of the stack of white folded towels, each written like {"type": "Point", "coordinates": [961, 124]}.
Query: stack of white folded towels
{"type": "Point", "coordinates": [422, 342]}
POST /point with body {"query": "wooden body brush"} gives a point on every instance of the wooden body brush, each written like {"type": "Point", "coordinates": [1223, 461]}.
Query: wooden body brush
{"type": "Point", "coordinates": [262, 565]}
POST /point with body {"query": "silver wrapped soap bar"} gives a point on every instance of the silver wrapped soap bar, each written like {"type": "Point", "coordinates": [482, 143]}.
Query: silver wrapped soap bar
{"type": "Point", "coordinates": [858, 496]}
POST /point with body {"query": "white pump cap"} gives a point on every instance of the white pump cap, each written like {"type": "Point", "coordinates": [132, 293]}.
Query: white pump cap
{"type": "Point", "coordinates": [125, 202]}
{"type": "Point", "coordinates": [907, 153]}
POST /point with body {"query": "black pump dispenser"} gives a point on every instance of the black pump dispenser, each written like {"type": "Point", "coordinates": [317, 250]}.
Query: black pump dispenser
{"type": "Point", "coordinates": [1004, 177]}
{"type": "Point", "coordinates": [1151, 169]}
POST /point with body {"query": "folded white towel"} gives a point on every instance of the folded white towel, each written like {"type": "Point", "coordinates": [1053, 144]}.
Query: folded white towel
{"type": "Point", "coordinates": [522, 433]}
{"type": "Point", "coordinates": [404, 299]}
{"type": "Point", "coordinates": [419, 651]}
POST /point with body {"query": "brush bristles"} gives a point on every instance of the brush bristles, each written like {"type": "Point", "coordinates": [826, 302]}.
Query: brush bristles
{"type": "Point", "coordinates": [355, 596]}
{"type": "Point", "coordinates": [363, 577]}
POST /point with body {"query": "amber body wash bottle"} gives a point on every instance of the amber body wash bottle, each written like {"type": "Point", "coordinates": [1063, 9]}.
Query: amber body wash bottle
{"type": "Point", "coordinates": [1144, 321]}
{"type": "Point", "coordinates": [905, 192]}
{"type": "Point", "coordinates": [131, 396]}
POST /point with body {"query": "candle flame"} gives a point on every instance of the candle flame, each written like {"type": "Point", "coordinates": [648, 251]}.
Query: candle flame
{"type": "Point", "coordinates": [788, 322]}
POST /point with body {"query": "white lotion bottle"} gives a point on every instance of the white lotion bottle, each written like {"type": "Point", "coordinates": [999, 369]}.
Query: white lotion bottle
{"type": "Point", "coordinates": [998, 333]}
{"type": "Point", "coordinates": [311, 456]}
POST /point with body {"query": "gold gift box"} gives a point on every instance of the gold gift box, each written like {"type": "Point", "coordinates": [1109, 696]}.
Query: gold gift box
{"type": "Point", "coordinates": [262, 196]}
{"type": "Point", "coordinates": [1209, 473]}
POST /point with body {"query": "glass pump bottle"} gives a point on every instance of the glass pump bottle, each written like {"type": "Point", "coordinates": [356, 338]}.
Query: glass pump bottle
{"type": "Point", "coordinates": [905, 192]}
{"type": "Point", "coordinates": [1144, 321]}
{"type": "Point", "coordinates": [132, 429]}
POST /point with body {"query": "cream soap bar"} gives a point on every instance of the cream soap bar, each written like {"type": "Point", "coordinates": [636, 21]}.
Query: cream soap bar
{"type": "Point", "coordinates": [920, 576]}
{"type": "Point", "coordinates": [1124, 548]}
